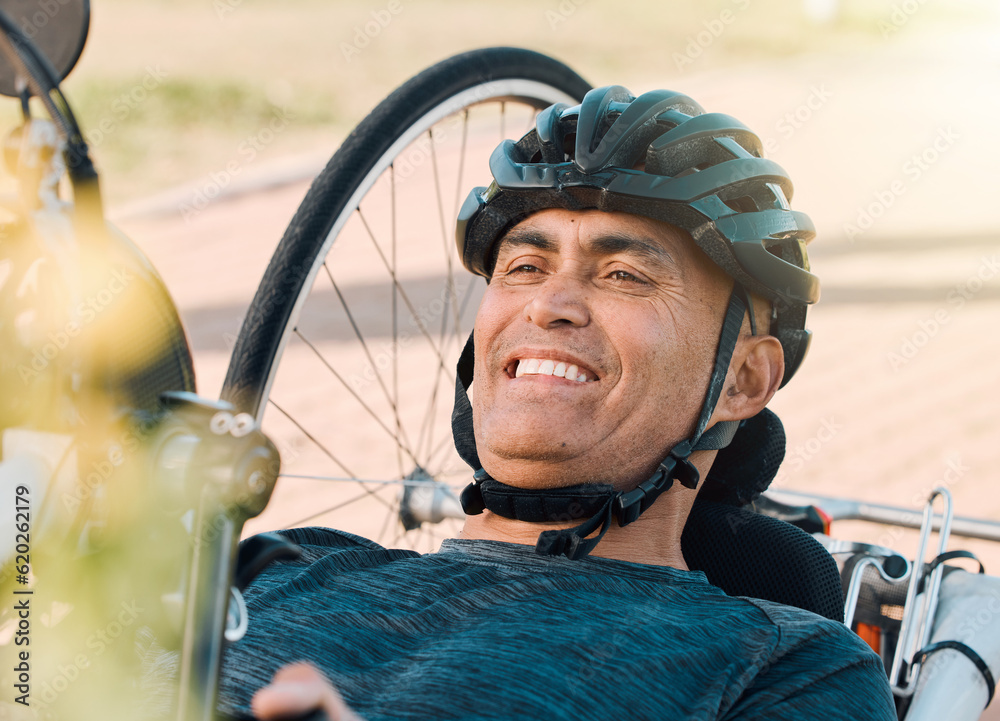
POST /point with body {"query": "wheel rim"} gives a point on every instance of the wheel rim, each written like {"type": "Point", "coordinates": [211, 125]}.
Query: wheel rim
{"type": "Point", "coordinates": [370, 349]}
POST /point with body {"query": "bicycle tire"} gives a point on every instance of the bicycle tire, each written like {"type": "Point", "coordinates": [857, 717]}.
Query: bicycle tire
{"type": "Point", "coordinates": [451, 86]}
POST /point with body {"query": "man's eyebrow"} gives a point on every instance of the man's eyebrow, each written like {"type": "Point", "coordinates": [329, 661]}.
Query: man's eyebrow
{"type": "Point", "coordinates": [646, 249]}
{"type": "Point", "coordinates": [522, 237]}
{"type": "Point", "coordinates": [605, 244]}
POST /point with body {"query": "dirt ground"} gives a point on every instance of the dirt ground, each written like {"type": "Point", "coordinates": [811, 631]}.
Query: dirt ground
{"type": "Point", "coordinates": [899, 392]}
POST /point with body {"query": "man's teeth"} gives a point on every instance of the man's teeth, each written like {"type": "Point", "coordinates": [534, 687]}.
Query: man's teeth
{"type": "Point", "coordinates": [547, 367]}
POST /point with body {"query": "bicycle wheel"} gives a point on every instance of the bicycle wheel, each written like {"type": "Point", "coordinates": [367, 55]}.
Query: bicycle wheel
{"type": "Point", "coordinates": [348, 350]}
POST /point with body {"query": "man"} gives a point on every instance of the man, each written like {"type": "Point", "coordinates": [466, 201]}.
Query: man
{"type": "Point", "coordinates": [618, 237]}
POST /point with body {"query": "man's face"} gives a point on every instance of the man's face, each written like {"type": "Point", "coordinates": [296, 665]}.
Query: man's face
{"type": "Point", "coordinates": [634, 307]}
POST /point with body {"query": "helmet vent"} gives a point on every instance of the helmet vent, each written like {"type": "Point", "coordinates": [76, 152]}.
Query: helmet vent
{"type": "Point", "coordinates": [569, 144]}
{"type": "Point", "coordinates": [743, 204]}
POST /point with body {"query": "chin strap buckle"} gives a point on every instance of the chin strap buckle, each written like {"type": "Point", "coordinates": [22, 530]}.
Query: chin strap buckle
{"type": "Point", "coordinates": [472, 495]}
{"type": "Point", "coordinates": [557, 543]}
{"type": "Point", "coordinates": [573, 542]}
{"type": "Point", "coordinates": [631, 504]}
{"type": "Point", "coordinates": [684, 470]}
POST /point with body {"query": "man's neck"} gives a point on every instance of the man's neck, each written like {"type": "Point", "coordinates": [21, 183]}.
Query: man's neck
{"type": "Point", "coordinates": [654, 539]}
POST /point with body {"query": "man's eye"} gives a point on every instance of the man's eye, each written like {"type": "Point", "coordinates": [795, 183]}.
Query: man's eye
{"type": "Point", "coordinates": [522, 268]}
{"type": "Point", "coordinates": [623, 276]}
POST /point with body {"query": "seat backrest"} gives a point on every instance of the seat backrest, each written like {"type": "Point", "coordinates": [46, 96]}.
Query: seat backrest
{"type": "Point", "coordinates": [749, 554]}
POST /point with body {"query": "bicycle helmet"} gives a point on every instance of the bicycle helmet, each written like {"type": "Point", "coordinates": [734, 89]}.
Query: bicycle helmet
{"type": "Point", "coordinates": [660, 156]}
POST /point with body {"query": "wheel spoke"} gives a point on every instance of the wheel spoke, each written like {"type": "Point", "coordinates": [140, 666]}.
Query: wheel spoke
{"type": "Point", "coordinates": [331, 509]}
{"type": "Point", "coordinates": [347, 387]}
{"type": "Point", "coordinates": [326, 451]}
{"type": "Point", "coordinates": [458, 199]}
{"type": "Point", "coordinates": [457, 467]}
{"type": "Point", "coordinates": [461, 162]}
{"type": "Point", "coordinates": [442, 446]}
{"type": "Point", "coordinates": [395, 319]}
{"type": "Point", "coordinates": [391, 398]}
{"type": "Point", "coordinates": [469, 287]}
{"type": "Point", "coordinates": [416, 482]}
{"type": "Point", "coordinates": [393, 514]}
{"type": "Point", "coordinates": [427, 427]}
{"type": "Point", "coordinates": [444, 240]}
{"type": "Point", "coordinates": [532, 118]}
{"type": "Point", "coordinates": [402, 294]}
{"type": "Point", "coordinates": [438, 537]}
{"type": "Point", "coordinates": [321, 446]}
{"type": "Point", "coordinates": [397, 538]}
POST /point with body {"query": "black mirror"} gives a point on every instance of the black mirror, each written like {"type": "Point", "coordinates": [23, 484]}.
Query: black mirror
{"type": "Point", "coordinates": [57, 27]}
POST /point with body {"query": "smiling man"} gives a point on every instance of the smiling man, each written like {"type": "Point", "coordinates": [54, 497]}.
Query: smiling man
{"type": "Point", "coordinates": [647, 286]}
{"type": "Point", "coordinates": [590, 345]}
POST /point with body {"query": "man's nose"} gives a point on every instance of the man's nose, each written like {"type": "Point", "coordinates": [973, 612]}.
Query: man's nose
{"type": "Point", "coordinates": [560, 300]}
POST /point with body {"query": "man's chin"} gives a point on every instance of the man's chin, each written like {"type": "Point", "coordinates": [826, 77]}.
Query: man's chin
{"type": "Point", "coordinates": [540, 451]}
{"type": "Point", "coordinates": [530, 452]}
{"type": "Point", "coordinates": [536, 467]}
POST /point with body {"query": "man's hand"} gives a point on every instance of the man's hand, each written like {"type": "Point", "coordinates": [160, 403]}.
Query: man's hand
{"type": "Point", "coordinates": [297, 690]}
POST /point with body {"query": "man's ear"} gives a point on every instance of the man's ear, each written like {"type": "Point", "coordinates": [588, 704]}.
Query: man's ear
{"type": "Point", "coordinates": [754, 375]}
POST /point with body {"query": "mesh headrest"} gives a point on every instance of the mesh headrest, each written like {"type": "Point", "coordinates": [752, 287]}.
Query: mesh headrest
{"type": "Point", "coordinates": [745, 468]}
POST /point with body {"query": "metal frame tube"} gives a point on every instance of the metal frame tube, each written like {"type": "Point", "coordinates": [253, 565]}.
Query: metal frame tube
{"type": "Point", "coordinates": [918, 616]}
{"type": "Point", "coordinates": [844, 509]}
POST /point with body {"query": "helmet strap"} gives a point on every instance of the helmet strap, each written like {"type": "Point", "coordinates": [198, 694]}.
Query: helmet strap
{"type": "Point", "coordinates": [461, 413]}
{"type": "Point", "coordinates": [601, 502]}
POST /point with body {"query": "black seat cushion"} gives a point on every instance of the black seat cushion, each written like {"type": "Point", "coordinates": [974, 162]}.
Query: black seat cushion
{"type": "Point", "coordinates": [748, 554]}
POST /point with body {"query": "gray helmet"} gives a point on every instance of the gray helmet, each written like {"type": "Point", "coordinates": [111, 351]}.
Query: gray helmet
{"type": "Point", "coordinates": [702, 172]}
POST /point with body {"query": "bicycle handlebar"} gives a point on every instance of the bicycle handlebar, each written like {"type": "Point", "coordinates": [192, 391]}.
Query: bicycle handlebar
{"type": "Point", "coordinates": [844, 509]}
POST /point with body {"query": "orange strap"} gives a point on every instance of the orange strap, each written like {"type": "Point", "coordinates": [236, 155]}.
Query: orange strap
{"type": "Point", "coordinates": [870, 634]}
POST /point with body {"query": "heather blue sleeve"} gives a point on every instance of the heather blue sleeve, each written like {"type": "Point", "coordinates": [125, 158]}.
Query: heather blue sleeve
{"type": "Point", "coordinates": [819, 670]}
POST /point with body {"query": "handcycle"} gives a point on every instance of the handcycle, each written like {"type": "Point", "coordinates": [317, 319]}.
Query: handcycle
{"type": "Point", "coordinates": [414, 317]}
